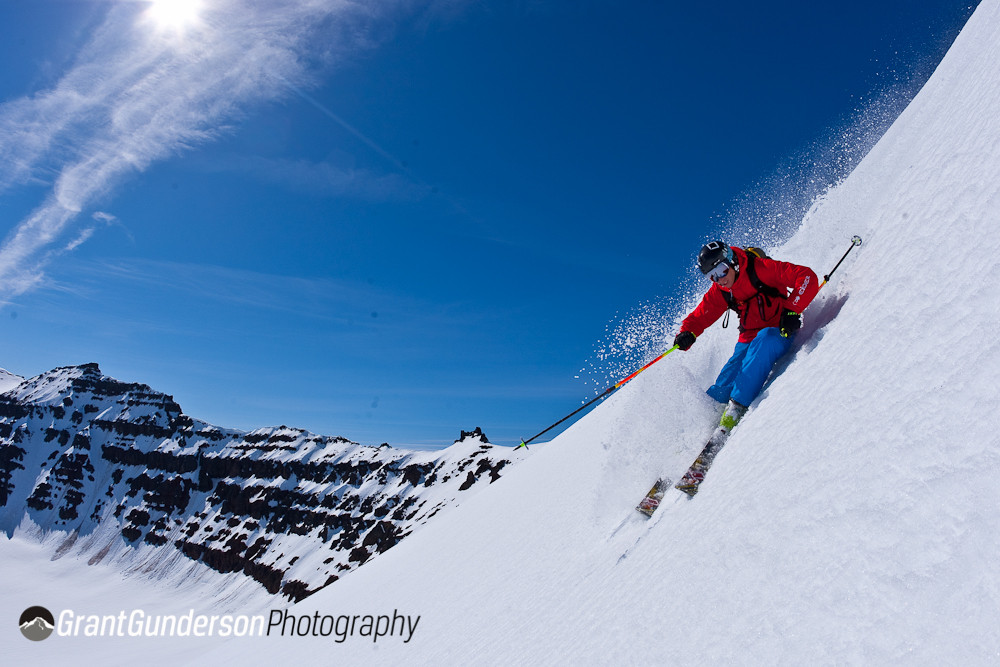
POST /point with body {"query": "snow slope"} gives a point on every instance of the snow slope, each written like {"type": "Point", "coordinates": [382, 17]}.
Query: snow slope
{"type": "Point", "coordinates": [8, 380]}
{"type": "Point", "coordinates": [852, 518]}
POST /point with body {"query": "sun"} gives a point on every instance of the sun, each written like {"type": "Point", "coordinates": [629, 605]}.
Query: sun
{"type": "Point", "coordinates": [174, 14]}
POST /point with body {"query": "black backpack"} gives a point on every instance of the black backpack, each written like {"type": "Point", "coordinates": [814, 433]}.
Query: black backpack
{"type": "Point", "coordinates": [764, 292]}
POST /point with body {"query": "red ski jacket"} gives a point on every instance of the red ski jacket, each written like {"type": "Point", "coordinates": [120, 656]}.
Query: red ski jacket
{"type": "Point", "coordinates": [756, 311]}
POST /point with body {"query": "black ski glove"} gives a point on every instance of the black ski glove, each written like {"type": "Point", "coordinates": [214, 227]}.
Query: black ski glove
{"type": "Point", "coordinates": [790, 323]}
{"type": "Point", "coordinates": [684, 340]}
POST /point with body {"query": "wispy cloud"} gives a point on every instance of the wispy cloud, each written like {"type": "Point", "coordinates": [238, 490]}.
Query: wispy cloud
{"type": "Point", "coordinates": [136, 96]}
{"type": "Point", "coordinates": [326, 179]}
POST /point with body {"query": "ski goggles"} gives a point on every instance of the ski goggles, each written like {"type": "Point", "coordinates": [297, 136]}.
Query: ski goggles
{"type": "Point", "coordinates": [718, 272]}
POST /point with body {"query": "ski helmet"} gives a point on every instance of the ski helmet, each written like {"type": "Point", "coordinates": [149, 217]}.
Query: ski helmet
{"type": "Point", "coordinates": [715, 253]}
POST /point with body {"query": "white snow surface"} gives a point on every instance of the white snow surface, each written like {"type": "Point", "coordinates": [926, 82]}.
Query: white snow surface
{"type": "Point", "coordinates": [851, 519]}
{"type": "Point", "coordinates": [8, 380]}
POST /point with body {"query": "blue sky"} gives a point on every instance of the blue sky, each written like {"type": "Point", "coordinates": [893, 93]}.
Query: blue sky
{"type": "Point", "coordinates": [395, 220]}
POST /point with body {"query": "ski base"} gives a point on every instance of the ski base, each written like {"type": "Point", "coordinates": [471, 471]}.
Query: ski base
{"type": "Point", "coordinates": [652, 500]}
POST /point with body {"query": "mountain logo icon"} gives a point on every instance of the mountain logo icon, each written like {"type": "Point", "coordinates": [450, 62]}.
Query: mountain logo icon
{"type": "Point", "coordinates": [37, 623]}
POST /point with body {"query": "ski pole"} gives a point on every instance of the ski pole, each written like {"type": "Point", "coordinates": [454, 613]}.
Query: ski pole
{"type": "Point", "coordinates": [524, 443]}
{"type": "Point", "coordinates": [855, 241]}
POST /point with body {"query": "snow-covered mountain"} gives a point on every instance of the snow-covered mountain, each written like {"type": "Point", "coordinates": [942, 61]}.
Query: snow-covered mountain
{"type": "Point", "coordinates": [851, 519]}
{"type": "Point", "coordinates": [115, 472]}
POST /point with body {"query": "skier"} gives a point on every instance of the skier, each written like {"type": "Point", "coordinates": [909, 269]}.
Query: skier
{"type": "Point", "coordinates": [768, 297]}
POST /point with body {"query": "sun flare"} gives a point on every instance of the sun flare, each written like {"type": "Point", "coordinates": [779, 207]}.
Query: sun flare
{"type": "Point", "coordinates": [174, 14]}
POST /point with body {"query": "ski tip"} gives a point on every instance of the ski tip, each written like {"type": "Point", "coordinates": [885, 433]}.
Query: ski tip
{"type": "Point", "coordinates": [688, 489]}
{"type": "Point", "coordinates": [648, 506]}
{"type": "Point", "coordinates": [652, 500]}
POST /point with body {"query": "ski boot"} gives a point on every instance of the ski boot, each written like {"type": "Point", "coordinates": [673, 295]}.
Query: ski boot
{"type": "Point", "coordinates": [731, 416]}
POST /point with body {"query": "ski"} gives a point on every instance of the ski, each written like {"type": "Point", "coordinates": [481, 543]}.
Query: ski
{"type": "Point", "coordinates": [652, 500]}
{"type": "Point", "coordinates": [695, 475]}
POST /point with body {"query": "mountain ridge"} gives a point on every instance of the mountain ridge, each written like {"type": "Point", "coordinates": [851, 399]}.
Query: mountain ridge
{"type": "Point", "coordinates": [114, 466]}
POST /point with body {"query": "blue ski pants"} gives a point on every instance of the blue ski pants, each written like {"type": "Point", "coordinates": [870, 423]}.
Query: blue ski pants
{"type": "Point", "coordinates": [743, 376]}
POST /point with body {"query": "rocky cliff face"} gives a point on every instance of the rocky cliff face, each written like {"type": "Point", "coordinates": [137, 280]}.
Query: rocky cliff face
{"type": "Point", "coordinates": [123, 474]}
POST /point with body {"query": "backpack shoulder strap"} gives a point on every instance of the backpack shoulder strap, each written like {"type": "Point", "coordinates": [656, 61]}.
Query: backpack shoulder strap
{"type": "Point", "coordinates": [758, 284]}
